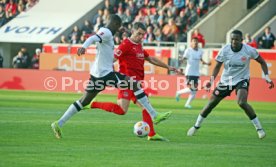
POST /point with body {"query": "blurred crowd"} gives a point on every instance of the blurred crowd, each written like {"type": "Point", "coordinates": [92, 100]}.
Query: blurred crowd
{"type": "Point", "coordinates": [266, 41]}
{"type": "Point", "coordinates": [24, 60]}
{"type": "Point", "coordinates": [166, 20]}
{"type": "Point", "coordinates": [9, 9]}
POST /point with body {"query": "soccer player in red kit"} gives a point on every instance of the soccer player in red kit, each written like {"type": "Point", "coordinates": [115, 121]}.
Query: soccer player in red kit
{"type": "Point", "coordinates": [131, 58]}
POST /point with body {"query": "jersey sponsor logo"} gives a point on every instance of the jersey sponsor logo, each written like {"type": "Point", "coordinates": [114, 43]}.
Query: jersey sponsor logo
{"type": "Point", "coordinates": [243, 58]}
{"type": "Point", "coordinates": [118, 52]}
{"type": "Point", "coordinates": [101, 34]}
{"type": "Point", "coordinates": [125, 94]}
{"type": "Point", "coordinates": [237, 65]}
{"type": "Point", "coordinates": [140, 55]}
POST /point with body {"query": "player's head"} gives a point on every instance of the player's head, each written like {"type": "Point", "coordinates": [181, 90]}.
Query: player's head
{"type": "Point", "coordinates": [267, 30]}
{"type": "Point", "coordinates": [138, 32]}
{"type": "Point", "coordinates": [194, 43]}
{"type": "Point", "coordinates": [114, 22]}
{"type": "Point", "coordinates": [236, 40]}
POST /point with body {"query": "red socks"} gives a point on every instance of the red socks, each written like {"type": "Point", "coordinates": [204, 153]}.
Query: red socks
{"type": "Point", "coordinates": [148, 120]}
{"type": "Point", "coordinates": [116, 109]}
{"type": "Point", "coordinates": [109, 107]}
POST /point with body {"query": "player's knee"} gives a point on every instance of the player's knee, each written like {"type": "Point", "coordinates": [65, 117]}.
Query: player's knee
{"type": "Point", "coordinates": [84, 102]}
{"type": "Point", "coordinates": [242, 103]}
{"type": "Point", "coordinates": [211, 105]}
{"type": "Point", "coordinates": [122, 110]}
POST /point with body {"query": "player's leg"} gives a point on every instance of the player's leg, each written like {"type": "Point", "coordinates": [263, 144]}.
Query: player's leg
{"type": "Point", "coordinates": [193, 87]}
{"type": "Point", "coordinates": [90, 93]}
{"type": "Point", "coordinates": [120, 108]}
{"type": "Point", "coordinates": [242, 94]}
{"type": "Point", "coordinates": [153, 136]}
{"type": "Point", "coordinates": [71, 111]}
{"type": "Point", "coordinates": [111, 80]}
{"type": "Point", "coordinates": [146, 118]}
{"type": "Point", "coordinates": [185, 90]}
{"type": "Point", "coordinates": [182, 91]}
{"type": "Point", "coordinates": [218, 94]}
{"type": "Point", "coordinates": [141, 97]}
{"type": "Point", "coordinates": [124, 104]}
{"type": "Point", "coordinates": [109, 107]}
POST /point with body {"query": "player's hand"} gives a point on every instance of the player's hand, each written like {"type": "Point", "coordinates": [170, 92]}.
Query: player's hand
{"type": "Point", "coordinates": [271, 84]}
{"type": "Point", "coordinates": [208, 85]}
{"type": "Point", "coordinates": [170, 68]}
{"type": "Point", "coordinates": [81, 51]}
{"type": "Point", "coordinates": [180, 71]}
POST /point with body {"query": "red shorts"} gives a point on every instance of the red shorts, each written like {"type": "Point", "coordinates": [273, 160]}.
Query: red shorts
{"type": "Point", "coordinates": [127, 94]}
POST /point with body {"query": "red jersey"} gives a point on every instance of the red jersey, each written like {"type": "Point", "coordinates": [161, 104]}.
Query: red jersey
{"type": "Point", "coordinates": [131, 58]}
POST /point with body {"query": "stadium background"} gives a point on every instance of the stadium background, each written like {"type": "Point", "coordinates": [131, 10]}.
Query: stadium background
{"type": "Point", "coordinates": [30, 102]}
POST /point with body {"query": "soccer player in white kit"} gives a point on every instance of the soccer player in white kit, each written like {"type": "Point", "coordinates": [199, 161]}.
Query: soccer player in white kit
{"type": "Point", "coordinates": [236, 59]}
{"type": "Point", "coordinates": [193, 55]}
{"type": "Point", "coordinates": [102, 75]}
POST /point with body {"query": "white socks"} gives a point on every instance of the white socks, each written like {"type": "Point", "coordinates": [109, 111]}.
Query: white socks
{"type": "Point", "coordinates": [191, 98]}
{"type": "Point", "coordinates": [72, 110]}
{"type": "Point", "coordinates": [144, 101]}
{"type": "Point", "coordinates": [199, 121]}
{"type": "Point", "coordinates": [256, 123]}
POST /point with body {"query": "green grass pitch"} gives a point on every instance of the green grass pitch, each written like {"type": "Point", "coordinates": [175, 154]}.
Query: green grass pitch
{"type": "Point", "coordinates": [95, 138]}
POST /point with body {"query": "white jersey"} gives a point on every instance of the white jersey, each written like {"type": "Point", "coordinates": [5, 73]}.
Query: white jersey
{"type": "Point", "coordinates": [236, 64]}
{"type": "Point", "coordinates": [105, 53]}
{"type": "Point", "coordinates": [193, 59]}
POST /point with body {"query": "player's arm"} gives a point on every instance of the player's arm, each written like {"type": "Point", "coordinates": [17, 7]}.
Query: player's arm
{"type": "Point", "coordinates": [263, 64]}
{"type": "Point", "coordinates": [204, 62]}
{"type": "Point", "coordinates": [92, 39]}
{"type": "Point", "coordinates": [216, 69]}
{"type": "Point", "coordinates": [157, 62]}
{"type": "Point", "coordinates": [214, 75]}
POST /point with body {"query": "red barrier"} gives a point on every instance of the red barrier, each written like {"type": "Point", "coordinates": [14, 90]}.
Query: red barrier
{"type": "Point", "coordinates": [157, 85]}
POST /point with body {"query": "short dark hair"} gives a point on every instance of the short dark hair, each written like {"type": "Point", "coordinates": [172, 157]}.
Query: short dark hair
{"type": "Point", "coordinates": [268, 28]}
{"type": "Point", "coordinates": [138, 25]}
{"type": "Point", "coordinates": [237, 32]}
{"type": "Point", "coordinates": [115, 18]}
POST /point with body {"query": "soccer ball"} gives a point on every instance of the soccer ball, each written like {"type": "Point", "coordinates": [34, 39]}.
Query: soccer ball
{"type": "Point", "coordinates": [141, 129]}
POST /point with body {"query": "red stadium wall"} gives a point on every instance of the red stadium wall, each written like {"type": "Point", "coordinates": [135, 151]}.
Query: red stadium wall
{"type": "Point", "coordinates": [158, 85]}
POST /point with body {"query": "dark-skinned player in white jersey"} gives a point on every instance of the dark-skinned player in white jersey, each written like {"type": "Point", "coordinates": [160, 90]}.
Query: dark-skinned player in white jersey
{"type": "Point", "coordinates": [235, 76]}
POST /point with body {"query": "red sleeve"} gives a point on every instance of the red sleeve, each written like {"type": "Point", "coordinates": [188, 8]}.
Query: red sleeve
{"type": "Point", "coordinates": [119, 52]}
{"type": "Point", "coordinates": [146, 54]}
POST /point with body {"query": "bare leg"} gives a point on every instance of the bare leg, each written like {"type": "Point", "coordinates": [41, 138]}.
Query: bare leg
{"type": "Point", "coordinates": [76, 106]}
{"type": "Point", "coordinates": [87, 98]}
{"type": "Point", "coordinates": [242, 101]}
{"type": "Point", "coordinates": [213, 102]}
{"type": "Point", "coordinates": [124, 104]}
